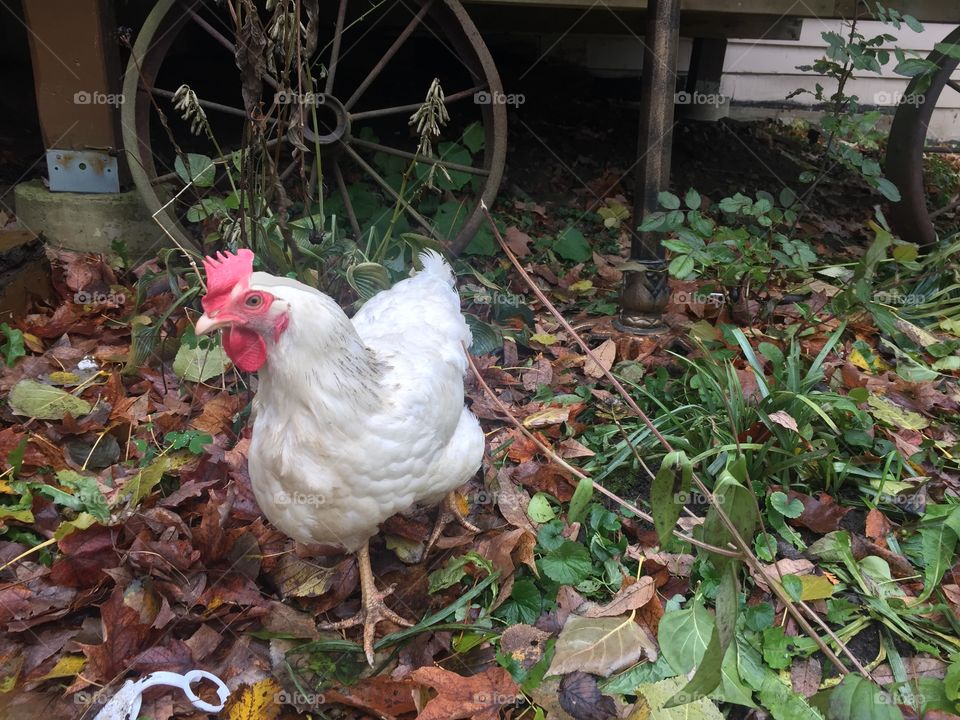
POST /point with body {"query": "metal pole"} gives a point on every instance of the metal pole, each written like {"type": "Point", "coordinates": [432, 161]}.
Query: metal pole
{"type": "Point", "coordinates": [645, 288]}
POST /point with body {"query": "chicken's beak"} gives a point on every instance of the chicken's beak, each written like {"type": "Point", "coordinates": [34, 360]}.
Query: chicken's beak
{"type": "Point", "coordinates": [207, 324]}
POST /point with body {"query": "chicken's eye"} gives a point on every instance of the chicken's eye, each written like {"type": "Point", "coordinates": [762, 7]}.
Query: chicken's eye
{"type": "Point", "coordinates": [253, 301]}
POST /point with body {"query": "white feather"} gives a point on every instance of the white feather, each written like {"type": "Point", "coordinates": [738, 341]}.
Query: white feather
{"type": "Point", "coordinates": [356, 421]}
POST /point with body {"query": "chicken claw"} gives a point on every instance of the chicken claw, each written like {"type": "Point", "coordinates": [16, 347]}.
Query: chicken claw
{"type": "Point", "coordinates": [373, 610]}
{"type": "Point", "coordinates": [449, 512]}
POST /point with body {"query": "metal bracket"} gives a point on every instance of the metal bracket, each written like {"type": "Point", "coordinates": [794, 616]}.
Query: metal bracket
{"type": "Point", "coordinates": [86, 171]}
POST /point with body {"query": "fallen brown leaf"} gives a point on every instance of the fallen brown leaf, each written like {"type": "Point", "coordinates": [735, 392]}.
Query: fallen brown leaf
{"type": "Point", "coordinates": [478, 696]}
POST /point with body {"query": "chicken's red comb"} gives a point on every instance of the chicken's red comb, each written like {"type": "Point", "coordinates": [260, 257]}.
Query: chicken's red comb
{"type": "Point", "coordinates": [224, 272]}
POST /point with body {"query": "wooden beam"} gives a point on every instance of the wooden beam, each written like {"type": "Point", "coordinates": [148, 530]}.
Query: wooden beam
{"type": "Point", "coordinates": [76, 71]}
{"type": "Point", "coordinates": [926, 10]}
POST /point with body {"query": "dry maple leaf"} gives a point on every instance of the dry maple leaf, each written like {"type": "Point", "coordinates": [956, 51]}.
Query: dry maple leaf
{"type": "Point", "coordinates": [479, 697]}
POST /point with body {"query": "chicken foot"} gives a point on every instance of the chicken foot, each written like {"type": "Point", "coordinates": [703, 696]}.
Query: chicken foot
{"type": "Point", "coordinates": [449, 512]}
{"type": "Point", "coordinates": [372, 610]}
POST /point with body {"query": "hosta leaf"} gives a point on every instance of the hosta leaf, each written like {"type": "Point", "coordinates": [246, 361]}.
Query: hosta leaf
{"type": "Point", "coordinates": [600, 646]}
{"type": "Point", "coordinates": [710, 668]}
{"type": "Point", "coordinates": [739, 505]}
{"type": "Point", "coordinates": [669, 492]}
{"type": "Point", "coordinates": [580, 500]}
{"type": "Point", "coordinates": [45, 402]}
{"type": "Point", "coordinates": [368, 278]}
{"type": "Point", "coordinates": [486, 337]}
{"type": "Point", "coordinates": [856, 698]}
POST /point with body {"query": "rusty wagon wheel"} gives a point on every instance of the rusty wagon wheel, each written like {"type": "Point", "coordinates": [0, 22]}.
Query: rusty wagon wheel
{"type": "Point", "coordinates": [908, 135]}
{"type": "Point", "coordinates": [361, 114]}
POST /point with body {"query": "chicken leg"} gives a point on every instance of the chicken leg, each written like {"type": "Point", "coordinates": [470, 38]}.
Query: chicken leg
{"type": "Point", "coordinates": [449, 511]}
{"type": "Point", "coordinates": [373, 610]}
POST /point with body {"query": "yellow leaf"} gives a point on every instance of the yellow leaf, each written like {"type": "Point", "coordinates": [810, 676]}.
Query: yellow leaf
{"type": "Point", "coordinates": [857, 358]}
{"type": "Point", "coordinates": [548, 416]}
{"type": "Point", "coordinates": [815, 587]}
{"type": "Point", "coordinates": [64, 378]}
{"type": "Point", "coordinates": [257, 702]}
{"type": "Point", "coordinates": [582, 286]}
{"type": "Point", "coordinates": [33, 342]}
{"type": "Point", "coordinates": [67, 666]}
{"type": "Point", "coordinates": [81, 522]}
{"type": "Point", "coordinates": [544, 338]}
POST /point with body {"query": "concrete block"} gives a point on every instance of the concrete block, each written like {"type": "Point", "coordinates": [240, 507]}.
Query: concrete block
{"type": "Point", "coordinates": [89, 222]}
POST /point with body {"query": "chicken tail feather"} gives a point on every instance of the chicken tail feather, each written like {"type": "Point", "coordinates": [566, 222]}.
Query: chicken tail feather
{"type": "Point", "coordinates": [433, 263]}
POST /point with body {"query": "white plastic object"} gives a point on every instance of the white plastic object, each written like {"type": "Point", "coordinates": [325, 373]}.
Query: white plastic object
{"type": "Point", "coordinates": [125, 705]}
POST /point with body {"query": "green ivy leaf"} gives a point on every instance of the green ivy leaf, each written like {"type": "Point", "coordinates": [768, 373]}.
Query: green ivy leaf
{"type": "Point", "coordinates": [784, 506]}
{"type": "Point", "coordinates": [568, 564]}
{"type": "Point", "coordinates": [12, 346]}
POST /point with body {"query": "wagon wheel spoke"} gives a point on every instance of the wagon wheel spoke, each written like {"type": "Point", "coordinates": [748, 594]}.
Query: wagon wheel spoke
{"type": "Point", "coordinates": [385, 186]}
{"type": "Point", "coordinates": [954, 84]}
{"type": "Point", "coordinates": [347, 203]}
{"type": "Point", "coordinates": [206, 104]}
{"type": "Point", "coordinates": [398, 109]}
{"type": "Point", "coordinates": [391, 51]}
{"type": "Point", "coordinates": [225, 42]}
{"type": "Point", "coordinates": [335, 51]}
{"type": "Point", "coordinates": [377, 147]}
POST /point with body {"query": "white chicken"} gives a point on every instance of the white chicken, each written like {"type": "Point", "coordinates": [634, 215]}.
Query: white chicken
{"type": "Point", "coordinates": [355, 420]}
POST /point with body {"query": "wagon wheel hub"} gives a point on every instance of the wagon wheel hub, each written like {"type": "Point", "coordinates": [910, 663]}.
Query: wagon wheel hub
{"type": "Point", "coordinates": [325, 120]}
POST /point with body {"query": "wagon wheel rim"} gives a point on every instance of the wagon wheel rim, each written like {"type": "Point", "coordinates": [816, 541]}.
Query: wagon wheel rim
{"type": "Point", "coordinates": [910, 216]}
{"type": "Point", "coordinates": [168, 19]}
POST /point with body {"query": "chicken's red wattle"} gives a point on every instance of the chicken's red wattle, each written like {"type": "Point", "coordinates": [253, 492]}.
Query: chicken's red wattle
{"type": "Point", "coordinates": [246, 348]}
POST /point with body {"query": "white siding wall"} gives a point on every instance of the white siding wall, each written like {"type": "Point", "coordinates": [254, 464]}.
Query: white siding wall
{"type": "Point", "coordinates": [758, 72]}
